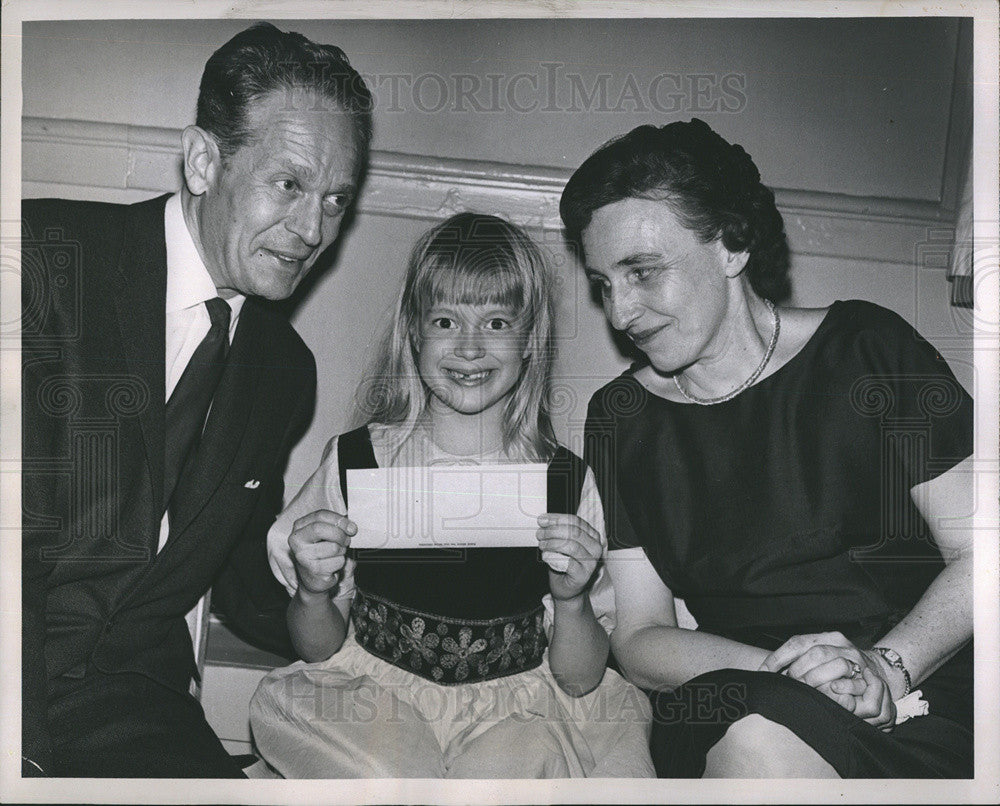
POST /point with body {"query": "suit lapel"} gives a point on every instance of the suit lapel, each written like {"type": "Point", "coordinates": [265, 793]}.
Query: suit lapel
{"type": "Point", "coordinates": [227, 422]}
{"type": "Point", "coordinates": [139, 296]}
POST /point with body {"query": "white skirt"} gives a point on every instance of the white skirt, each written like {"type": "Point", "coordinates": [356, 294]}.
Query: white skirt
{"type": "Point", "coordinates": [357, 716]}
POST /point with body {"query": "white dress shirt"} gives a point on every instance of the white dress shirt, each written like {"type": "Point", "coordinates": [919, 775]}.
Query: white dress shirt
{"type": "Point", "coordinates": [188, 286]}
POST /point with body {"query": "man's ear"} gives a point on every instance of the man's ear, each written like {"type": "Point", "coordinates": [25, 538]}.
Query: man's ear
{"type": "Point", "coordinates": [202, 161]}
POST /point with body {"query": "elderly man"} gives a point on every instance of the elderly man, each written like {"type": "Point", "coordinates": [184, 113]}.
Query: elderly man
{"type": "Point", "coordinates": [174, 392]}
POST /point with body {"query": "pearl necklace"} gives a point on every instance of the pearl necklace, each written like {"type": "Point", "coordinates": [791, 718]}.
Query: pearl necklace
{"type": "Point", "coordinates": [708, 401]}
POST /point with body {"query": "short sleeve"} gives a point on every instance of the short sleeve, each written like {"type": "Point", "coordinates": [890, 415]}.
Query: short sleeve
{"type": "Point", "coordinates": [321, 491]}
{"type": "Point", "coordinates": [924, 412]}
{"type": "Point", "coordinates": [602, 596]}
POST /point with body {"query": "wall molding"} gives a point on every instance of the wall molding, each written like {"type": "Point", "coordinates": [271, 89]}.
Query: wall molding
{"type": "Point", "coordinates": [121, 162]}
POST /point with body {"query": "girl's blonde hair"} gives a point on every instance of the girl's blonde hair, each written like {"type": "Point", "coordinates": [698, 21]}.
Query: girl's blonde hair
{"type": "Point", "coordinates": [470, 259]}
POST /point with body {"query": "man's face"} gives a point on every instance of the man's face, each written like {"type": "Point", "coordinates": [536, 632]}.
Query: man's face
{"type": "Point", "coordinates": [272, 208]}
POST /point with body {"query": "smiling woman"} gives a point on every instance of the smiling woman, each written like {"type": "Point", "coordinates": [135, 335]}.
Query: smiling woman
{"type": "Point", "coordinates": [661, 284]}
{"type": "Point", "coordinates": [756, 465]}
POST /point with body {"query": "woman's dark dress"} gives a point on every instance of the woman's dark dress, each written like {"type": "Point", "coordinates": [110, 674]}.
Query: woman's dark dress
{"type": "Point", "coordinates": [787, 510]}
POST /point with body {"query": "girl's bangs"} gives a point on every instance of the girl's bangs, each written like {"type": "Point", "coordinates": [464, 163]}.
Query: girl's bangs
{"type": "Point", "coordinates": [481, 280]}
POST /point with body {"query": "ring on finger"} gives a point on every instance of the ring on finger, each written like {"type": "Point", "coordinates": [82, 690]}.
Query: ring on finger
{"type": "Point", "coordinates": [855, 670]}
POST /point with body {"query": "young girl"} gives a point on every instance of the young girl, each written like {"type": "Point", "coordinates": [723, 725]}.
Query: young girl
{"type": "Point", "coordinates": [472, 663]}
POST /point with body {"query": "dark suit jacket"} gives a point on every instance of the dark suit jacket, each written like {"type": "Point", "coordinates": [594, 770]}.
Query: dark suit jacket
{"type": "Point", "coordinates": [96, 593]}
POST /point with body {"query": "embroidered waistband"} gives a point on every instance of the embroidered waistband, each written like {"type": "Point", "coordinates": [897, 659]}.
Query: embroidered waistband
{"type": "Point", "coordinates": [446, 650]}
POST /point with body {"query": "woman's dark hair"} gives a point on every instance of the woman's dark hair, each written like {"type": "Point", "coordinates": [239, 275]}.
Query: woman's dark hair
{"type": "Point", "coordinates": [711, 185]}
{"type": "Point", "coordinates": [263, 59]}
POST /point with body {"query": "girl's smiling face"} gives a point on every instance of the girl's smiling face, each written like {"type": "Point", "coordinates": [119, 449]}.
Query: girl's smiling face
{"type": "Point", "coordinates": [470, 356]}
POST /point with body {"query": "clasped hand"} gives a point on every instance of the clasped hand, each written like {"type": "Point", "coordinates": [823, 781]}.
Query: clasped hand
{"type": "Point", "coordinates": [828, 662]}
{"type": "Point", "coordinates": [571, 548]}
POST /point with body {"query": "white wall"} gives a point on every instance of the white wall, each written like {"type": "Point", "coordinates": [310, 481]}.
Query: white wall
{"type": "Point", "coordinates": [852, 121]}
{"type": "Point", "coordinates": [858, 106]}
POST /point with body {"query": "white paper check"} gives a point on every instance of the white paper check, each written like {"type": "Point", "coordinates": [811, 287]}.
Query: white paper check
{"type": "Point", "coordinates": [446, 506]}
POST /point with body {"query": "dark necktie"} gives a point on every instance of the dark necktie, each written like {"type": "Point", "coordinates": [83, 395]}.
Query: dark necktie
{"type": "Point", "coordinates": [189, 402]}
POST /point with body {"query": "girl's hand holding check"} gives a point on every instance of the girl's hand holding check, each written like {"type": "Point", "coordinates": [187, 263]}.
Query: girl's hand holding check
{"type": "Point", "coordinates": [571, 548]}
{"type": "Point", "coordinates": [318, 545]}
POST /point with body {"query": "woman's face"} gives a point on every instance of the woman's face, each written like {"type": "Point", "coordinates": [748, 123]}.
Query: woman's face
{"type": "Point", "coordinates": [659, 284]}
